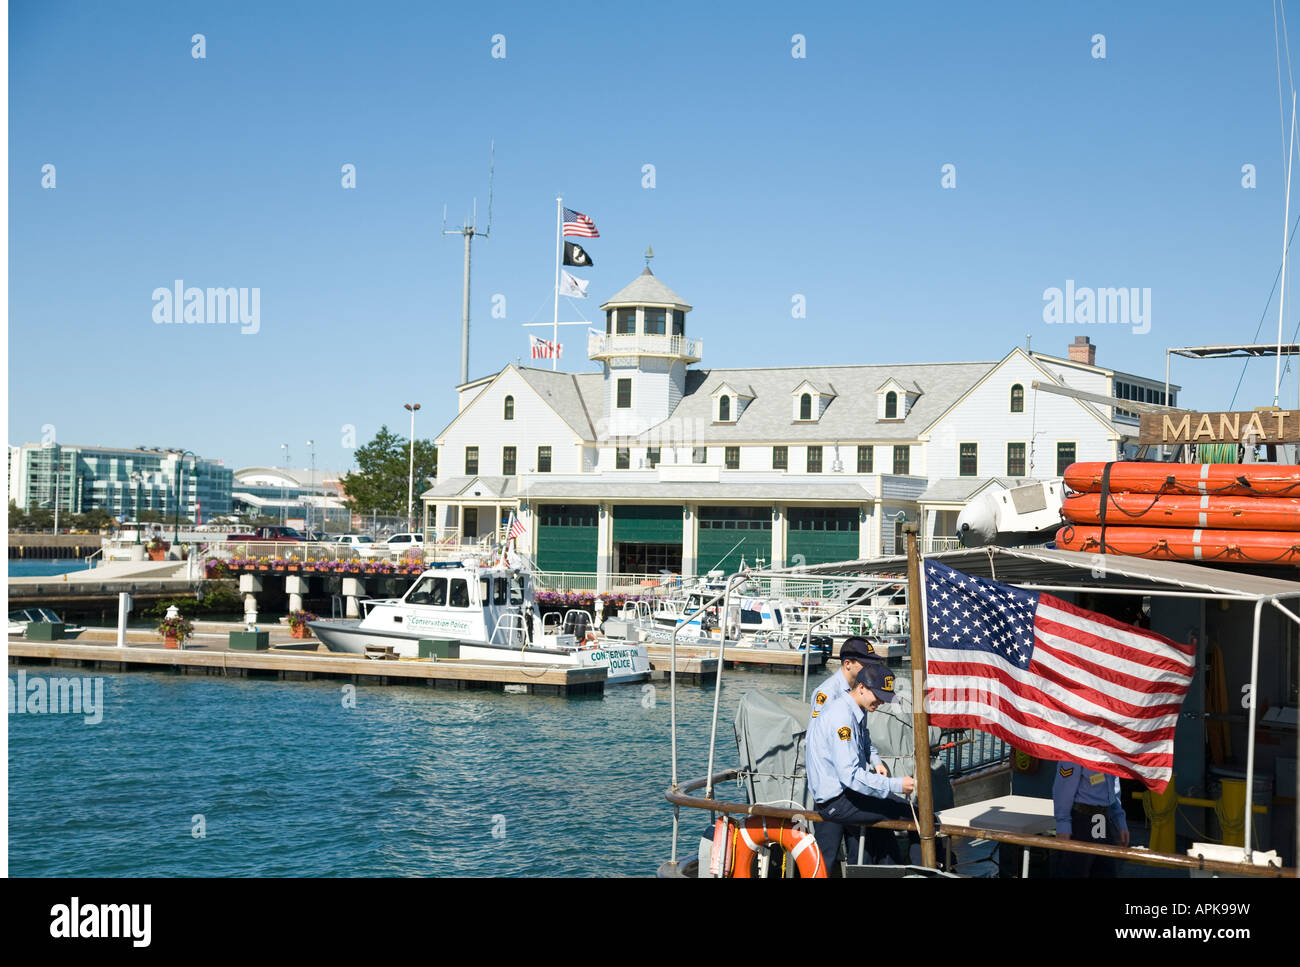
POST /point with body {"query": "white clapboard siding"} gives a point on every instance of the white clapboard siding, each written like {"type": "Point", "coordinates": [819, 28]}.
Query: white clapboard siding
{"type": "Point", "coordinates": [482, 425]}
{"type": "Point", "coordinates": [985, 417]}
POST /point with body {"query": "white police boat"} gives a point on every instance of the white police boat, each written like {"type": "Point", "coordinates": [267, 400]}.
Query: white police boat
{"type": "Point", "coordinates": [489, 612]}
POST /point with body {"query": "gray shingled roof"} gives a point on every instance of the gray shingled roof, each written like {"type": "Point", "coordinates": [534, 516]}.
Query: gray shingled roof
{"type": "Point", "coordinates": [645, 289]}
{"type": "Point", "coordinates": [851, 415]}
{"type": "Point", "coordinates": [695, 490]}
{"type": "Point", "coordinates": [576, 397]}
{"type": "Point", "coordinates": [958, 489]}
{"type": "Point", "coordinates": [458, 487]}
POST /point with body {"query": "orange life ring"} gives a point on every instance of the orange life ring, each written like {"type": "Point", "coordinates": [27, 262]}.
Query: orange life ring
{"type": "Point", "coordinates": [756, 831]}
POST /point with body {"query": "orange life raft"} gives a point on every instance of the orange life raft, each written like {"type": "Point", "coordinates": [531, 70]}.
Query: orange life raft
{"type": "Point", "coordinates": [1222, 479]}
{"type": "Point", "coordinates": [1172, 510]}
{"type": "Point", "coordinates": [1184, 544]}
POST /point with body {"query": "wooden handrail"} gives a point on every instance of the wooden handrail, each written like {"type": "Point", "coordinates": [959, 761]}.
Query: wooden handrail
{"type": "Point", "coordinates": [679, 797]}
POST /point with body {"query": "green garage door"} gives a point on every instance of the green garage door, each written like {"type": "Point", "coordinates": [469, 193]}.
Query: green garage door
{"type": "Point", "coordinates": [567, 537]}
{"type": "Point", "coordinates": [647, 524]}
{"type": "Point", "coordinates": [822, 535]}
{"type": "Point", "coordinates": [729, 533]}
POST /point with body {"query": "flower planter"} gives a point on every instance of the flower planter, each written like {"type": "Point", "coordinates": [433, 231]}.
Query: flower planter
{"type": "Point", "coordinates": [171, 641]}
{"type": "Point", "coordinates": [157, 555]}
{"type": "Point", "coordinates": [300, 631]}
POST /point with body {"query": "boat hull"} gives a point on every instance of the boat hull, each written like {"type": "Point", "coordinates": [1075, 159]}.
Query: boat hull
{"type": "Point", "coordinates": [623, 662]}
{"type": "Point", "coordinates": [1171, 510]}
{"type": "Point", "coordinates": [1185, 544]}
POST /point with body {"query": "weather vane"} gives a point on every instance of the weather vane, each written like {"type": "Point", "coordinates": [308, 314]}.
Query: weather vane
{"type": "Point", "coordinates": [649, 254]}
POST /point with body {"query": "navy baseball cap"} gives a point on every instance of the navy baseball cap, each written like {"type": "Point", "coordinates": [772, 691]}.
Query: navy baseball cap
{"type": "Point", "coordinates": [859, 649]}
{"type": "Point", "coordinates": [879, 679]}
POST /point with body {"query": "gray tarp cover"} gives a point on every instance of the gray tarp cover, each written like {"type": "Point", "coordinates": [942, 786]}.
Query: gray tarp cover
{"type": "Point", "coordinates": [769, 735]}
{"type": "Point", "coordinates": [770, 732]}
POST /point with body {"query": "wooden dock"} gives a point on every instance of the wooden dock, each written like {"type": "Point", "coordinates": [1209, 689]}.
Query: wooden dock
{"type": "Point", "coordinates": [213, 658]}
{"type": "Point", "coordinates": [754, 659]}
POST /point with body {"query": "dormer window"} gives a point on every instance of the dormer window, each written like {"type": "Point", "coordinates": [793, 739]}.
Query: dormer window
{"type": "Point", "coordinates": [509, 413]}
{"type": "Point", "coordinates": [805, 406]}
{"type": "Point", "coordinates": [894, 400]}
{"type": "Point", "coordinates": [729, 402]}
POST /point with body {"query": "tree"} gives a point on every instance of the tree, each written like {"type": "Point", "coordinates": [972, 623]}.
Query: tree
{"type": "Point", "coordinates": [380, 480]}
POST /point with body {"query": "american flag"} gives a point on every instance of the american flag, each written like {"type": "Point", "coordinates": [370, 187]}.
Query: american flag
{"type": "Point", "coordinates": [516, 528]}
{"type": "Point", "coordinates": [576, 223]}
{"type": "Point", "coordinates": [1052, 679]}
{"type": "Point", "coordinates": [545, 349]}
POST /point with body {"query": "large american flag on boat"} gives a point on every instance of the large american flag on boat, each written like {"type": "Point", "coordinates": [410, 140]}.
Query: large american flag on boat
{"type": "Point", "coordinates": [576, 223]}
{"type": "Point", "coordinates": [516, 528]}
{"type": "Point", "coordinates": [1050, 678]}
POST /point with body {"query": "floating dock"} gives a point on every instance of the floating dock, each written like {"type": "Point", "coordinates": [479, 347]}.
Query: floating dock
{"type": "Point", "coordinates": [738, 656]}
{"type": "Point", "coordinates": [298, 664]}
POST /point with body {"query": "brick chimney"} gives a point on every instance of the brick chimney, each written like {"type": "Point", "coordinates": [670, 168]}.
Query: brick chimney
{"type": "Point", "coordinates": [1083, 351]}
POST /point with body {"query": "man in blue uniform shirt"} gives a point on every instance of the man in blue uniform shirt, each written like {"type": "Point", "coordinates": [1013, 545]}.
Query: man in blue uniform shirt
{"type": "Point", "coordinates": [1087, 808]}
{"type": "Point", "coordinates": [845, 790]}
{"type": "Point", "coordinates": [854, 653]}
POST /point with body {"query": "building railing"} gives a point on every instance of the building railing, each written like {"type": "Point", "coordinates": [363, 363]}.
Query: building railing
{"type": "Point", "coordinates": [934, 545]}
{"type": "Point", "coordinates": [614, 584]}
{"type": "Point", "coordinates": [620, 344]}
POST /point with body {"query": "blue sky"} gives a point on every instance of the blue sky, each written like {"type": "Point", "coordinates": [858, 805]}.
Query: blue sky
{"type": "Point", "coordinates": [775, 176]}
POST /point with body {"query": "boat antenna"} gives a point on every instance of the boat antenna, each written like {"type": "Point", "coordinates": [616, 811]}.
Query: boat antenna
{"type": "Point", "coordinates": [468, 230]}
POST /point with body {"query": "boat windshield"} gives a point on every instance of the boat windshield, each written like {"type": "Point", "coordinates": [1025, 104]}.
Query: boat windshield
{"type": "Point", "coordinates": [429, 590]}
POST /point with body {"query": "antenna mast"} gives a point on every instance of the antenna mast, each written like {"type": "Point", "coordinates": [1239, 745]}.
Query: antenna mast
{"type": "Point", "coordinates": [469, 229]}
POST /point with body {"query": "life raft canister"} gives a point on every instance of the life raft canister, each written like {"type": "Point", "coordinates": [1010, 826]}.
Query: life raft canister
{"type": "Point", "coordinates": [753, 832]}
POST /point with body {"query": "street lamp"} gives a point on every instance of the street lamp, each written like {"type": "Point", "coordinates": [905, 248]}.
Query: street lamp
{"type": "Point", "coordinates": [180, 490]}
{"type": "Point", "coordinates": [283, 485]}
{"type": "Point", "coordinates": [410, 477]}
{"type": "Point", "coordinates": [136, 477]}
{"type": "Point", "coordinates": [312, 485]}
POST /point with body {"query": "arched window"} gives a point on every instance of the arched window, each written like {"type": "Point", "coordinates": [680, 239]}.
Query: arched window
{"type": "Point", "coordinates": [724, 409]}
{"type": "Point", "coordinates": [891, 405]}
{"type": "Point", "coordinates": [805, 406]}
{"type": "Point", "coordinates": [1017, 398]}
{"type": "Point", "coordinates": [510, 408]}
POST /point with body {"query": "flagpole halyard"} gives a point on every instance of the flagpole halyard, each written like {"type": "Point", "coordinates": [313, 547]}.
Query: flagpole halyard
{"type": "Point", "coordinates": [555, 319]}
{"type": "Point", "coordinates": [920, 720]}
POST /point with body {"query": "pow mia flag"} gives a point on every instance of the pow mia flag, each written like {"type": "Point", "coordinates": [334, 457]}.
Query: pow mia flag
{"type": "Point", "coordinates": [574, 254]}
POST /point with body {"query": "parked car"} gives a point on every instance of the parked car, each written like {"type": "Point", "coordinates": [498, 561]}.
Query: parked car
{"type": "Point", "coordinates": [360, 543]}
{"type": "Point", "coordinates": [396, 545]}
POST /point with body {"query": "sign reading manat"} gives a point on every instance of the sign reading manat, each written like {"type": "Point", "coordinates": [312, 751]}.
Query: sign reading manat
{"type": "Point", "coordinates": [1266, 425]}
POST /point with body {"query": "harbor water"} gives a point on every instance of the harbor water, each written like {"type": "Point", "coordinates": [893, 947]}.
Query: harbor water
{"type": "Point", "coordinates": [41, 568]}
{"type": "Point", "coordinates": [197, 776]}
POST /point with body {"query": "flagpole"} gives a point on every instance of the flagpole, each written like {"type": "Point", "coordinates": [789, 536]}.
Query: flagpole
{"type": "Point", "coordinates": [920, 720]}
{"type": "Point", "coordinates": [555, 319]}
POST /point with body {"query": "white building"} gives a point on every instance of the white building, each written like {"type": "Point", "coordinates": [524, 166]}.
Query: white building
{"type": "Point", "coordinates": [649, 465]}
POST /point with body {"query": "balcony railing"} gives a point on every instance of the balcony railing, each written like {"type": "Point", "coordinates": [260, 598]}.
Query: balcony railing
{"type": "Point", "coordinates": [628, 344]}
